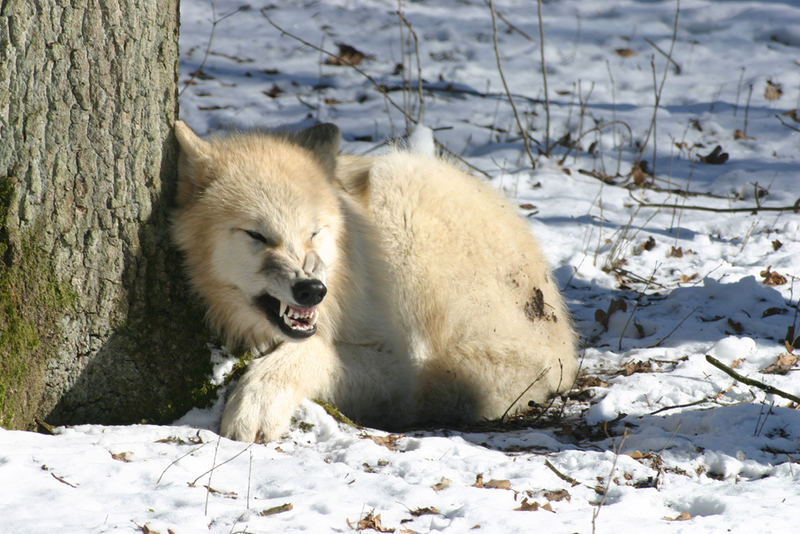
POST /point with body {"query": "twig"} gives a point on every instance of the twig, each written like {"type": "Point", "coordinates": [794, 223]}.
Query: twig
{"type": "Point", "coordinates": [667, 56]}
{"type": "Point", "coordinates": [544, 79]}
{"type": "Point", "coordinates": [608, 481]}
{"type": "Point", "coordinates": [420, 96]}
{"type": "Point", "coordinates": [747, 109]}
{"type": "Point", "coordinates": [210, 473]}
{"type": "Point", "coordinates": [524, 391]}
{"type": "Point", "coordinates": [796, 129]}
{"type": "Point", "coordinates": [60, 479]}
{"type": "Point", "coordinates": [192, 483]}
{"type": "Point", "coordinates": [522, 128]}
{"type": "Point", "coordinates": [675, 407]}
{"type": "Point", "coordinates": [249, 477]}
{"type": "Point", "coordinates": [795, 207]}
{"type": "Point", "coordinates": [207, 52]}
{"type": "Point", "coordinates": [663, 339]}
{"type": "Point", "coordinates": [658, 92]}
{"type": "Point", "coordinates": [636, 305]}
{"type": "Point", "coordinates": [738, 91]}
{"type": "Point", "coordinates": [381, 89]}
{"type": "Point", "coordinates": [449, 88]}
{"type": "Point", "coordinates": [559, 474]}
{"type": "Point", "coordinates": [178, 460]}
{"type": "Point", "coordinates": [510, 25]}
{"type": "Point", "coordinates": [751, 382]}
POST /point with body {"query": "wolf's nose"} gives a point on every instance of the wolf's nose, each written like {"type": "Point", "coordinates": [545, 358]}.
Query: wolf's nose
{"type": "Point", "coordinates": [309, 292]}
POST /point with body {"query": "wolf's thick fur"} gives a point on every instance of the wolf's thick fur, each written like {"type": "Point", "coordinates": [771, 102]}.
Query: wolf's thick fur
{"type": "Point", "coordinates": [413, 292]}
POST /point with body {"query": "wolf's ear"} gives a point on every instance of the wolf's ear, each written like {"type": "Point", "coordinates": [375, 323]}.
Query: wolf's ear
{"type": "Point", "coordinates": [193, 163]}
{"type": "Point", "coordinates": [323, 140]}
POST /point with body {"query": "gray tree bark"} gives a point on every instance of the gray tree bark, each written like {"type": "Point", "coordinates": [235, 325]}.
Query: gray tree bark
{"type": "Point", "coordinates": [96, 324]}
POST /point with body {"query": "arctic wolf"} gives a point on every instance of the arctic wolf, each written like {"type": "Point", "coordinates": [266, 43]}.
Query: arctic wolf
{"type": "Point", "coordinates": [397, 287]}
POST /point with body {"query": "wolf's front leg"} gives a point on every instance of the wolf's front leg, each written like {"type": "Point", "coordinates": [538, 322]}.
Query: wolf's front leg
{"type": "Point", "coordinates": [261, 407]}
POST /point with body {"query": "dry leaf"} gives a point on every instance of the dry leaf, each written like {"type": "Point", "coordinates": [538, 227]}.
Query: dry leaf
{"type": "Point", "coordinates": [736, 326]}
{"type": "Point", "coordinates": [557, 495]}
{"type": "Point", "coordinates": [684, 516]}
{"type": "Point", "coordinates": [347, 56]}
{"type": "Point", "coordinates": [371, 521]}
{"type": "Point", "coordinates": [794, 114]}
{"type": "Point", "coordinates": [638, 455]}
{"type": "Point", "coordinates": [773, 91]}
{"type": "Point", "coordinates": [498, 484]}
{"type": "Point", "coordinates": [676, 252]}
{"type": "Point", "coordinates": [221, 493]}
{"type": "Point", "coordinates": [123, 456]}
{"type": "Point", "coordinates": [782, 365]}
{"type": "Point", "coordinates": [640, 174]}
{"type": "Point", "coordinates": [274, 91]}
{"type": "Point", "coordinates": [526, 506]}
{"type": "Point", "coordinates": [771, 278]}
{"type": "Point", "coordinates": [637, 367]}
{"type": "Point", "coordinates": [527, 206]}
{"type": "Point", "coordinates": [715, 157]}
{"type": "Point", "coordinates": [736, 363]}
{"type": "Point", "coordinates": [740, 135]}
{"type": "Point", "coordinates": [442, 484]}
{"type": "Point", "coordinates": [625, 52]}
{"type": "Point", "coordinates": [428, 510]}
{"type": "Point", "coordinates": [389, 441]}
{"type": "Point", "coordinates": [277, 509]}
{"type": "Point", "coordinates": [688, 278]}
{"type": "Point", "coordinates": [776, 245]}
{"type": "Point", "coordinates": [648, 245]}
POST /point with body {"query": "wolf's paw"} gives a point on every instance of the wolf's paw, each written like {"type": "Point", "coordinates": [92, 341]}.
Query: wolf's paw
{"type": "Point", "coordinates": [252, 414]}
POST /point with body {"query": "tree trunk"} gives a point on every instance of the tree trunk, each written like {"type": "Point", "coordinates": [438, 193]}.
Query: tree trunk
{"type": "Point", "coordinates": [96, 323]}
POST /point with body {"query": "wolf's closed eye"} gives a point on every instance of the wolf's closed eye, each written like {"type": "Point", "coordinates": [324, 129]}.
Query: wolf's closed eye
{"type": "Point", "coordinates": [258, 237]}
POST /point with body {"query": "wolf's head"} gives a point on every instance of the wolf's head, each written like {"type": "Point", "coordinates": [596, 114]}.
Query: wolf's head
{"type": "Point", "coordinates": [259, 222]}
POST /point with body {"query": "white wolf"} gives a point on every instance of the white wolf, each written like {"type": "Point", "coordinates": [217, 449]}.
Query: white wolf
{"type": "Point", "coordinates": [397, 287]}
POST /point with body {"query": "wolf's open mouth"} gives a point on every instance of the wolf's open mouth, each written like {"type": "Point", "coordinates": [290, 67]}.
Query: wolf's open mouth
{"type": "Point", "coordinates": [293, 321]}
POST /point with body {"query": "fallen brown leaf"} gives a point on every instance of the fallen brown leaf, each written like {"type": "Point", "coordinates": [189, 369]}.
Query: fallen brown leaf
{"type": "Point", "coordinates": [371, 521]}
{"type": "Point", "coordinates": [741, 136]}
{"type": "Point", "coordinates": [527, 506]}
{"type": "Point", "coordinates": [772, 278]}
{"type": "Point", "coordinates": [648, 245]}
{"type": "Point", "coordinates": [715, 157]}
{"type": "Point", "coordinates": [122, 456]}
{"type": "Point", "coordinates": [277, 509]}
{"type": "Point", "coordinates": [637, 367]}
{"type": "Point", "coordinates": [557, 495]}
{"type": "Point", "coordinates": [793, 114]}
{"type": "Point", "coordinates": [684, 516]}
{"type": "Point", "coordinates": [389, 441]}
{"type": "Point", "coordinates": [442, 484]}
{"type": "Point", "coordinates": [428, 510]}
{"type": "Point", "coordinates": [773, 91]}
{"type": "Point", "coordinates": [347, 56]}
{"type": "Point", "coordinates": [625, 52]}
{"type": "Point", "coordinates": [782, 365]}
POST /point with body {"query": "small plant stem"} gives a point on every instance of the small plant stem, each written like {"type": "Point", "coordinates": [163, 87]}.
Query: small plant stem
{"type": "Point", "coordinates": [522, 128]}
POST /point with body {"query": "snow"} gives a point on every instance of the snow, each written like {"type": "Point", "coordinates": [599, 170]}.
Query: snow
{"type": "Point", "coordinates": [653, 432]}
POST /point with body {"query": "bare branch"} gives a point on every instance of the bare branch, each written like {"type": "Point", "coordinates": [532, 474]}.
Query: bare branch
{"type": "Point", "coordinates": [749, 381]}
{"type": "Point", "coordinates": [522, 128]}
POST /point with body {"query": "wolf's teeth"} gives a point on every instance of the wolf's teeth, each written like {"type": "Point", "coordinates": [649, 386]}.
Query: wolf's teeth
{"type": "Point", "coordinates": [282, 310]}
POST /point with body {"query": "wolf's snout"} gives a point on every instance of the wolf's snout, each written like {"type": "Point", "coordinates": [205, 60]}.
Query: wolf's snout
{"type": "Point", "coordinates": [309, 292]}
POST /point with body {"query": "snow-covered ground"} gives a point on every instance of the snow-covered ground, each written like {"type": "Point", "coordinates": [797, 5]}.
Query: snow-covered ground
{"type": "Point", "coordinates": [653, 438]}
